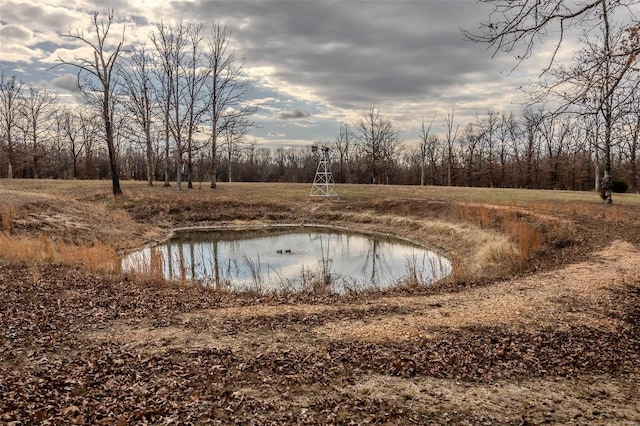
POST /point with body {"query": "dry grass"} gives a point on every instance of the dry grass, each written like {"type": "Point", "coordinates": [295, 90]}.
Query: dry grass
{"type": "Point", "coordinates": [487, 233]}
{"type": "Point", "coordinates": [8, 215]}
{"type": "Point", "coordinates": [513, 222]}
{"type": "Point", "coordinates": [528, 239]}
{"type": "Point", "coordinates": [97, 258]}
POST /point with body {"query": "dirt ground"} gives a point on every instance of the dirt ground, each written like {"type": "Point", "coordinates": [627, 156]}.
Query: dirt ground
{"type": "Point", "coordinates": [553, 338]}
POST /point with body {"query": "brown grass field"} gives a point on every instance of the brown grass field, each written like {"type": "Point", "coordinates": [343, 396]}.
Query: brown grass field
{"type": "Point", "coordinates": [538, 323]}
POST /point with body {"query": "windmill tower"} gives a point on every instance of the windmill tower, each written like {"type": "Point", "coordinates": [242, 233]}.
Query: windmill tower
{"type": "Point", "coordinates": [323, 182]}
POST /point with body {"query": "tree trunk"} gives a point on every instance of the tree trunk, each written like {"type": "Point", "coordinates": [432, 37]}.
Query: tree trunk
{"type": "Point", "coordinates": [189, 165]}
{"type": "Point", "coordinates": [149, 156]}
{"type": "Point", "coordinates": [214, 148]}
{"type": "Point", "coordinates": [115, 181]}
{"type": "Point", "coordinates": [167, 157]}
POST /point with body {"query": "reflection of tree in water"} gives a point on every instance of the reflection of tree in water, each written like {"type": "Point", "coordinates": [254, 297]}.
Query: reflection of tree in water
{"type": "Point", "coordinates": [326, 259]}
{"type": "Point", "coordinates": [377, 261]}
{"type": "Point", "coordinates": [170, 261]}
{"type": "Point", "coordinates": [216, 265]}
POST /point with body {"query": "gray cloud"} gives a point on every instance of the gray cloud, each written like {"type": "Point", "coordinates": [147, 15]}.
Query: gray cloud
{"type": "Point", "coordinates": [276, 135]}
{"type": "Point", "coordinates": [403, 56]}
{"type": "Point", "coordinates": [14, 32]}
{"type": "Point", "coordinates": [38, 16]}
{"type": "Point", "coordinates": [65, 82]}
{"type": "Point", "coordinates": [333, 58]}
{"type": "Point", "coordinates": [293, 114]}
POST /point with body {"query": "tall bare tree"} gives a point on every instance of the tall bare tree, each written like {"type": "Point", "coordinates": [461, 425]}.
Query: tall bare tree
{"type": "Point", "coordinates": [140, 97]}
{"type": "Point", "coordinates": [427, 146]}
{"type": "Point", "coordinates": [596, 82]}
{"type": "Point", "coordinates": [172, 43]}
{"type": "Point", "coordinates": [167, 39]}
{"type": "Point", "coordinates": [378, 144]}
{"type": "Point", "coordinates": [182, 76]}
{"type": "Point", "coordinates": [38, 109]}
{"type": "Point", "coordinates": [228, 90]}
{"type": "Point", "coordinates": [196, 99]}
{"type": "Point", "coordinates": [344, 146]}
{"type": "Point", "coordinates": [488, 126]}
{"type": "Point", "coordinates": [10, 105]}
{"type": "Point", "coordinates": [451, 136]}
{"type": "Point", "coordinates": [68, 124]}
{"type": "Point", "coordinates": [97, 80]}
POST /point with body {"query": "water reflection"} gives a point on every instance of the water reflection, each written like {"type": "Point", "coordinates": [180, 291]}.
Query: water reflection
{"type": "Point", "coordinates": [288, 259]}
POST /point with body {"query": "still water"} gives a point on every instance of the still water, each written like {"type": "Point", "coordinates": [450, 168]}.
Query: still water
{"type": "Point", "coordinates": [291, 259]}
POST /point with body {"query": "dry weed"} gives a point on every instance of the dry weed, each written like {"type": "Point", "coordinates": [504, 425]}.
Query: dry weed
{"type": "Point", "coordinates": [528, 239]}
{"type": "Point", "coordinates": [97, 258]}
{"type": "Point", "coordinates": [8, 215]}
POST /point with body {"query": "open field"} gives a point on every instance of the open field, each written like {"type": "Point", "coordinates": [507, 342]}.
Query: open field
{"type": "Point", "coordinates": [539, 323]}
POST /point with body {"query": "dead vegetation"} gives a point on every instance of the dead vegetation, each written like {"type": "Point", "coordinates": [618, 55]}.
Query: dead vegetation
{"type": "Point", "coordinates": [537, 324]}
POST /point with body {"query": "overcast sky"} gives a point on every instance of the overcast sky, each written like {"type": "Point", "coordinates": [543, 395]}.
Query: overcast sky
{"type": "Point", "coordinates": [313, 63]}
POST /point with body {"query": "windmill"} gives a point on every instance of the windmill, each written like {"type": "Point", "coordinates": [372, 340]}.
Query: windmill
{"type": "Point", "coordinates": [323, 182]}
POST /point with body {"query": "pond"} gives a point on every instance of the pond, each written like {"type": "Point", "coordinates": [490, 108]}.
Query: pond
{"type": "Point", "coordinates": [289, 259]}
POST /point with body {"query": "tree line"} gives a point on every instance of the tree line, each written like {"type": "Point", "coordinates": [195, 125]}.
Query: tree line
{"type": "Point", "coordinates": [176, 110]}
{"type": "Point", "coordinates": [532, 149]}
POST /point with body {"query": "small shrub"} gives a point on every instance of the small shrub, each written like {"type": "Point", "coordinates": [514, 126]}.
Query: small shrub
{"type": "Point", "coordinates": [619, 185]}
{"type": "Point", "coordinates": [561, 236]}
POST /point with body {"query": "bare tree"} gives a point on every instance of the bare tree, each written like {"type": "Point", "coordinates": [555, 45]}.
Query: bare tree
{"type": "Point", "coordinates": [233, 144]}
{"type": "Point", "coordinates": [555, 134]}
{"type": "Point", "coordinates": [168, 39]}
{"type": "Point", "coordinates": [101, 68]}
{"type": "Point", "coordinates": [530, 136]}
{"type": "Point", "coordinates": [470, 151]}
{"type": "Point", "coordinates": [426, 148]}
{"type": "Point", "coordinates": [515, 26]}
{"type": "Point", "coordinates": [182, 77]}
{"type": "Point", "coordinates": [228, 90]}
{"type": "Point", "coordinates": [172, 43]}
{"type": "Point", "coordinates": [38, 109]}
{"type": "Point", "coordinates": [195, 97]}
{"type": "Point", "coordinates": [344, 147]}
{"type": "Point", "coordinates": [69, 127]}
{"type": "Point", "coordinates": [138, 81]}
{"type": "Point", "coordinates": [451, 136]}
{"type": "Point", "coordinates": [631, 126]}
{"type": "Point", "coordinates": [378, 144]}
{"type": "Point", "coordinates": [90, 133]}
{"type": "Point", "coordinates": [487, 127]}
{"type": "Point", "coordinates": [10, 105]}
{"type": "Point", "coordinates": [595, 84]}
{"type": "Point", "coordinates": [507, 146]}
